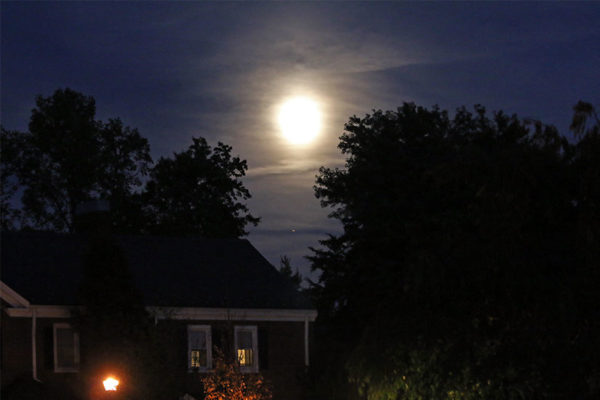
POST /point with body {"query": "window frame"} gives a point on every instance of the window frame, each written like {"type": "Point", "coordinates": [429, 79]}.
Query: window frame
{"type": "Point", "coordinates": [207, 331]}
{"type": "Point", "coordinates": [76, 355]}
{"type": "Point", "coordinates": [254, 330]}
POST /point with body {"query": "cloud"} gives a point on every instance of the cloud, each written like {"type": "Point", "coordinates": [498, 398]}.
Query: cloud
{"type": "Point", "coordinates": [219, 70]}
{"type": "Point", "coordinates": [292, 167]}
{"type": "Point", "coordinates": [306, 231]}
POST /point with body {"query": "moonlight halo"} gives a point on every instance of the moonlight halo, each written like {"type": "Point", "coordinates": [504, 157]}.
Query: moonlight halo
{"type": "Point", "coordinates": [299, 120]}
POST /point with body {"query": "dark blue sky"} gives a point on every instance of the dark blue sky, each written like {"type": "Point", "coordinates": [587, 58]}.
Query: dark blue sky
{"type": "Point", "coordinates": [220, 70]}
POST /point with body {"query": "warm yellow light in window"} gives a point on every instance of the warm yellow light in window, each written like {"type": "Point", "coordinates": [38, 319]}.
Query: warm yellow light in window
{"type": "Point", "coordinates": [244, 357]}
{"type": "Point", "coordinates": [198, 358]}
{"type": "Point", "coordinates": [110, 384]}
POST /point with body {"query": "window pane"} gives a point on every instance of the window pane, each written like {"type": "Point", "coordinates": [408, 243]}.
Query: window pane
{"type": "Point", "coordinates": [244, 339]}
{"type": "Point", "coordinates": [198, 358]}
{"type": "Point", "coordinates": [245, 357]}
{"type": "Point", "coordinates": [197, 339]}
{"type": "Point", "coordinates": [65, 348]}
{"type": "Point", "coordinates": [197, 347]}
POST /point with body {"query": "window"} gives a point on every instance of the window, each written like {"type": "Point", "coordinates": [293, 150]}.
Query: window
{"type": "Point", "coordinates": [199, 348]}
{"type": "Point", "coordinates": [66, 348]}
{"type": "Point", "coordinates": [246, 348]}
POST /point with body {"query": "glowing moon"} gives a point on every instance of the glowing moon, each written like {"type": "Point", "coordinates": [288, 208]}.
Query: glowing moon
{"type": "Point", "coordinates": [300, 120]}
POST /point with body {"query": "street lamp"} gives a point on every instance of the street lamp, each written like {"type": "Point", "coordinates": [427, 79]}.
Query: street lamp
{"type": "Point", "coordinates": [110, 384]}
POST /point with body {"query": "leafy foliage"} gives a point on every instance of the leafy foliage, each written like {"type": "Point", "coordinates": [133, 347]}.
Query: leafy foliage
{"type": "Point", "coordinates": [127, 162]}
{"type": "Point", "coordinates": [117, 336]}
{"type": "Point", "coordinates": [461, 257]}
{"type": "Point", "coordinates": [229, 383]}
{"type": "Point", "coordinates": [285, 268]}
{"type": "Point", "coordinates": [9, 150]}
{"type": "Point", "coordinates": [197, 192]}
{"type": "Point", "coordinates": [68, 157]}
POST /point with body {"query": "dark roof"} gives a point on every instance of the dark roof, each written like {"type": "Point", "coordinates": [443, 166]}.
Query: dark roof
{"type": "Point", "coordinates": [46, 268]}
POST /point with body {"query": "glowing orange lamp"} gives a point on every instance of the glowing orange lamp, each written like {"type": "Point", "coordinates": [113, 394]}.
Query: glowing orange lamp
{"type": "Point", "coordinates": [110, 384]}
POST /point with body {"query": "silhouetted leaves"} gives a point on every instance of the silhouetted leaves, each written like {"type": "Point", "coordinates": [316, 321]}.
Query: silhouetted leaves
{"type": "Point", "coordinates": [460, 272]}
{"type": "Point", "coordinates": [198, 192]}
{"type": "Point", "coordinates": [68, 157]}
{"type": "Point", "coordinates": [9, 153]}
{"type": "Point", "coordinates": [285, 269]}
{"type": "Point", "coordinates": [117, 335]}
{"type": "Point", "coordinates": [228, 382]}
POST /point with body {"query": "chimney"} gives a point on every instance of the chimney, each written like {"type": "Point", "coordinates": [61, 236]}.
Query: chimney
{"type": "Point", "coordinates": [93, 216]}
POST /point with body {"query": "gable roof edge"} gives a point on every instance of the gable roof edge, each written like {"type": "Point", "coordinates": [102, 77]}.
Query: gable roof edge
{"type": "Point", "coordinates": [13, 298]}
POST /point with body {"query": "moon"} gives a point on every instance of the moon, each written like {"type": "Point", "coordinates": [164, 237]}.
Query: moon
{"type": "Point", "coordinates": [300, 120]}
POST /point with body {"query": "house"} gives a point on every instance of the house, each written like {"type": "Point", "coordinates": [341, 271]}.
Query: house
{"type": "Point", "coordinates": [201, 289]}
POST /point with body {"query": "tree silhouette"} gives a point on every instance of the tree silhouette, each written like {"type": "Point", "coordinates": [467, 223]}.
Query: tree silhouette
{"type": "Point", "coordinates": [68, 157]}
{"type": "Point", "coordinates": [9, 151]}
{"type": "Point", "coordinates": [198, 192]}
{"type": "Point", "coordinates": [460, 272]}
{"type": "Point", "coordinates": [285, 268]}
{"type": "Point", "coordinates": [117, 334]}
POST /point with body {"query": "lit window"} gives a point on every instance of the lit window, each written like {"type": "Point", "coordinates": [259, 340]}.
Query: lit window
{"type": "Point", "coordinates": [66, 348]}
{"type": "Point", "coordinates": [246, 348]}
{"type": "Point", "coordinates": [199, 347]}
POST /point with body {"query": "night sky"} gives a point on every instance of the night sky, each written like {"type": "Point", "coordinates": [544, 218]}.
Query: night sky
{"type": "Point", "coordinates": [222, 70]}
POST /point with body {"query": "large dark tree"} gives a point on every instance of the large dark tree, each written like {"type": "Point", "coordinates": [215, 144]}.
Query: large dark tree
{"type": "Point", "coordinates": [468, 261]}
{"type": "Point", "coordinates": [117, 334]}
{"type": "Point", "coordinates": [198, 192]}
{"type": "Point", "coordinates": [292, 274]}
{"type": "Point", "coordinates": [68, 157]}
{"type": "Point", "coordinates": [9, 184]}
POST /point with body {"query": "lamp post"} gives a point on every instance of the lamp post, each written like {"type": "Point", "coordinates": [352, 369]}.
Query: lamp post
{"type": "Point", "coordinates": [110, 384]}
{"type": "Point", "coordinates": [110, 388]}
